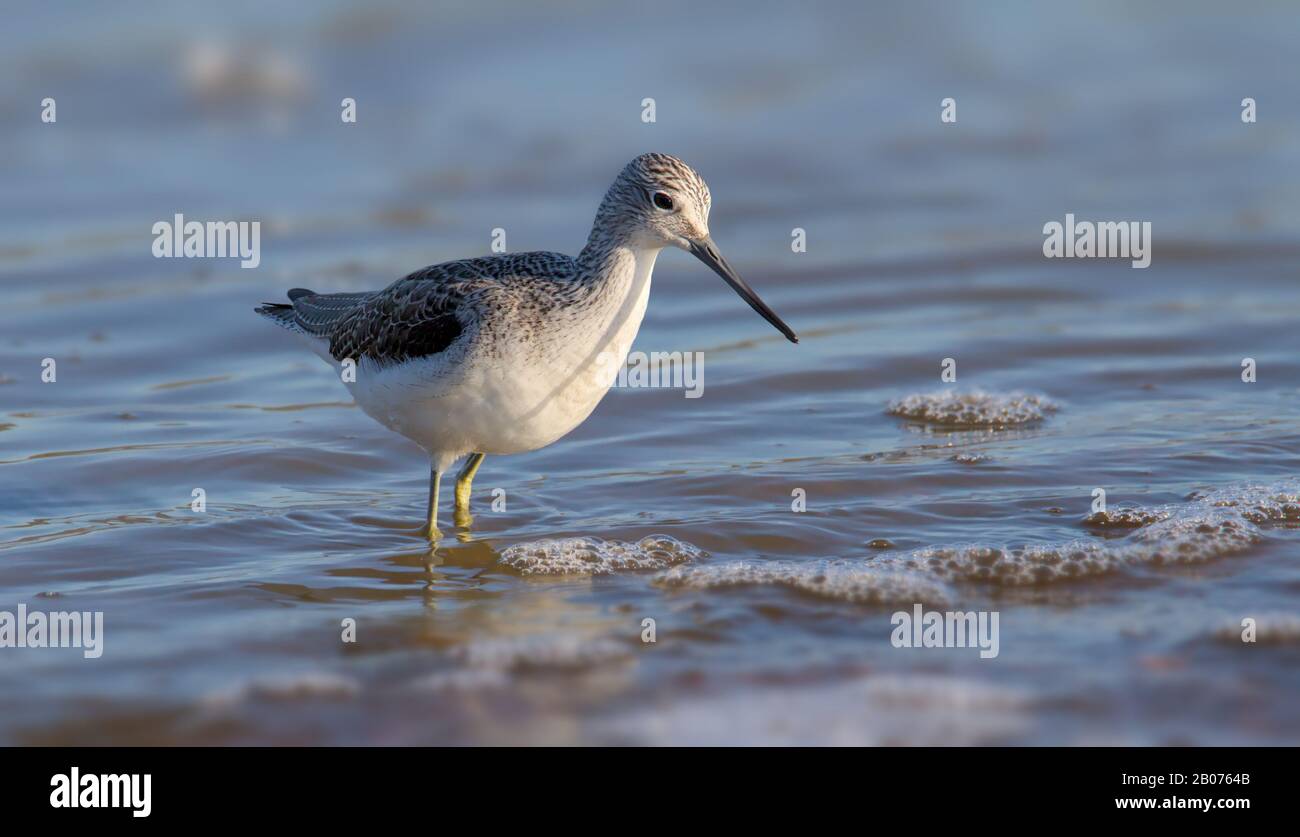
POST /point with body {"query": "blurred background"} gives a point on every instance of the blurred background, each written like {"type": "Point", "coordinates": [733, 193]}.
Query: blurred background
{"type": "Point", "coordinates": [924, 242]}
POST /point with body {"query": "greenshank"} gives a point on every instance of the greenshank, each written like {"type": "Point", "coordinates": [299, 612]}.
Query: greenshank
{"type": "Point", "coordinates": [503, 354]}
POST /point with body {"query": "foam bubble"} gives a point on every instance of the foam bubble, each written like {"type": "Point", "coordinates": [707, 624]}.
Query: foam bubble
{"type": "Point", "coordinates": [972, 409]}
{"type": "Point", "coordinates": [594, 556]}
{"type": "Point", "coordinates": [1131, 518]}
{"type": "Point", "coordinates": [1220, 524]}
{"type": "Point", "coordinates": [1259, 504]}
{"type": "Point", "coordinates": [850, 580]}
{"type": "Point", "coordinates": [1223, 523]}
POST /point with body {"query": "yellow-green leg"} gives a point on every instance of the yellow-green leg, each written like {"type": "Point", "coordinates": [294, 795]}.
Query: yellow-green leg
{"type": "Point", "coordinates": [464, 481]}
{"type": "Point", "coordinates": [435, 483]}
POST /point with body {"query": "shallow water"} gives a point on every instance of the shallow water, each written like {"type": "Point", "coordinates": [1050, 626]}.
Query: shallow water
{"type": "Point", "coordinates": [771, 625]}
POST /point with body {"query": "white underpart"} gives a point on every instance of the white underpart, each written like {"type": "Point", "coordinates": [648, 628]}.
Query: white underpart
{"type": "Point", "coordinates": [536, 385]}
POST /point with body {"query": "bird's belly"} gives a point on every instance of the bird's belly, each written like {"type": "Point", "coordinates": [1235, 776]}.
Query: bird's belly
{"type": "Point", "coordinates": [507, 397]}
{"type": "Point", "coordinates": [540, 392]}
{"type": "Point", "coordinates": [495, 408]}
{"type": "Point", "coordinates": [531, 411]}
{"type": "Point", "coordinates": [510, 403]}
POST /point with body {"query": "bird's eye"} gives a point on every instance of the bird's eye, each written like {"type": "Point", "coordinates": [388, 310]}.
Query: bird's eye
{"type": "Point", "coordinates": [662, 200]}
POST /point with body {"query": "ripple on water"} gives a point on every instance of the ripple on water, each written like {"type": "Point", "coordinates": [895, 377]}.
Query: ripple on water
{"type": "Point", "coordinates": [869, 711]}
{"type": "Point", "coordinates": [1270, 629]}
{"type": "Point", "coordinates": [287, 688]}
{"type": "Point", "coordinates": [595, 556]}
{"type": "Point", "coordinates": [972, 409]}
{"type": "Point", "coordinates": [540, 651]}
{"type": "Point", "coordinates": [492, 663]}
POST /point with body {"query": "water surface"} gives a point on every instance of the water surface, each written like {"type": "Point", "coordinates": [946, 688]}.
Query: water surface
{"type": "Point", "coordinates": [772, 626]}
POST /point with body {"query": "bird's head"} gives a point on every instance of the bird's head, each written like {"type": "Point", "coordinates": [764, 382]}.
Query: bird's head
{"type": "Point", "coordinates": [658, 201]}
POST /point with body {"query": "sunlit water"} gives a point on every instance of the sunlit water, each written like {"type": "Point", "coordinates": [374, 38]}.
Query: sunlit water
{"type": "Point", "coordinates": [771, 625]}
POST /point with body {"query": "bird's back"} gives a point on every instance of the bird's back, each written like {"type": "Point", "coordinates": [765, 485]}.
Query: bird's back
{"type": "Point", "coordinates": [425, 312]}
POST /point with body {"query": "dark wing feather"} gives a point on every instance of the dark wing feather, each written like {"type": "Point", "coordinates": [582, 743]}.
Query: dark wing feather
{"type": "Point", "coordinates": [418, 315]}
{"type": "Point", "coordinates": [318, 314]}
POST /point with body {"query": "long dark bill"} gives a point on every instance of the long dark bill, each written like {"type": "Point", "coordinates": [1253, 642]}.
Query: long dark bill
{"type": "Point", "coordinates": [707, 252]}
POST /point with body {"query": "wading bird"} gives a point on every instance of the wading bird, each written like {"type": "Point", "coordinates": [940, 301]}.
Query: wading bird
{"type": "Point", "coordinates": [508, 353]}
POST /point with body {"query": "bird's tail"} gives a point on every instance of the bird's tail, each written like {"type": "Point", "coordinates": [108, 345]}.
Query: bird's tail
{"type": "Point", "coordinates": [310, 313]}
{"type": "Point", "coordinates": [278, 313]}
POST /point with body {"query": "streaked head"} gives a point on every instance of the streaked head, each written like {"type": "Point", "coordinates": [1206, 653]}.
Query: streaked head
{"type": "Point", "coordinates": [659, 201]}
{"type": "Point", "coordinates": [667, 201]}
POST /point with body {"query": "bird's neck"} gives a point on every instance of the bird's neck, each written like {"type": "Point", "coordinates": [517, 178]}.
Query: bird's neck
{"type": "Point", "coordinates": [615, 267]}
{"type": "Point", "coordinates": [614, 278]}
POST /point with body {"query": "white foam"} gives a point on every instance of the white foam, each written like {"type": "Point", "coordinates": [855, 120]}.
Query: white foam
{"type": "Point", "coordinates": [1125, 518]}
{"type": "Point", "coordinates": [972, 409]}
{"type": "Point", "coordinates": [594, 556]}
{"type": "Point", "coordinates": [1220, 524]}
{"type": "Point", "coordinates": [851, 580]}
